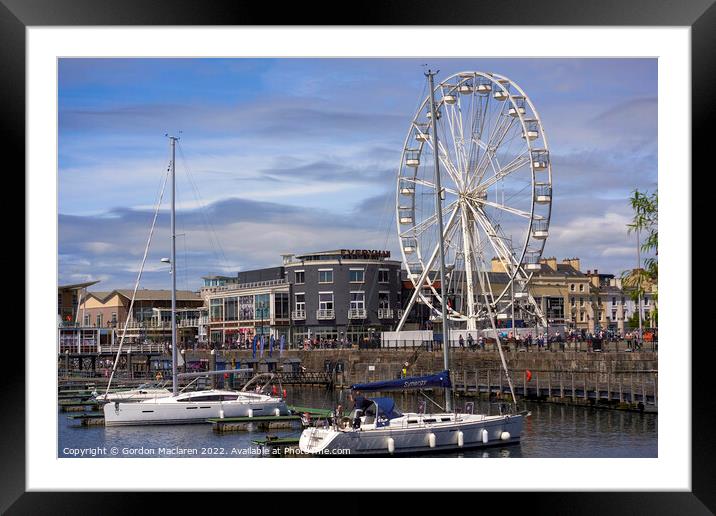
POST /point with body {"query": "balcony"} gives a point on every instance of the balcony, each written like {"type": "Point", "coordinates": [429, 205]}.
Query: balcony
{"type": "Point", "coordinates": [298, 315]}
{"type": "Point", "coordinates": [385, 313]}
{"type": "Point", "coordinates": [325, 315]}
{"type": "Point", "coordinates": [357, 313]}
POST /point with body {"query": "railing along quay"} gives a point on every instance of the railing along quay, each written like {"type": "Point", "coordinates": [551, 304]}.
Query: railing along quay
{"type": "Point", "coordinates": [620, 389]}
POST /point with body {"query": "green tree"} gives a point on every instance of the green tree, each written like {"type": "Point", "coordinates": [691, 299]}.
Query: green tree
{"type": "Point", "coordinates": [646, 222]}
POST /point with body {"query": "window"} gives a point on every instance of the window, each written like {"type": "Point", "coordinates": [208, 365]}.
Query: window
{"type": "Point", "coordinates": [581, 288]}
{"type": "Point", "coordinates": [384, 300]}
{"type": "Point", "coordinates": [99, 319]}
{"type": "Point", "coordinates": [325, 300]}
{"type": "Point", "coordinates": [300, 302]}
{"type": "Point", "coordinates": [357, 275]}
{"type": "Point", "coordinates": [357, 300]}
{"type": "Point", "coordinates": [383, 275]}
{"type": "Point", "coordinates": [571, 287]}
{"type": "Point", "coordinates": [216, 310]}
{"type": "Point", "coordinates": [86, 321]}
{"type": "Point", "coordinates": [646, 301]}
{"type": "Point", "coordinates": [581, 317]}
{"type": "Point", "coordinates": [614, 300]}
{"type": "Point", "coordinates": [231, 307]}
{"type": "Point", "coordinates": [280, 303]}
{"type": "Point", "coordinates": [246, 308]}
{"type": "Point", "coordinates": [114, 318]}
{"type": "Point", "coordinates": [581, 302]}
{"type": "Point", "coordinates": [573, 301]}
{"type": "Point", "coordinates": [263, 306]}
{"type": "Point", "coordinates": [300, 277]}
{"type": "Point", "coordinates": [614, 315]}
{"type": "Point", "coordinates": [325, 275]}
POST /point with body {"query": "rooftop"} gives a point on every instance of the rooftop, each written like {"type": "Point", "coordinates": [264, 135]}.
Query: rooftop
{"type": "Point", "coordinates": [144, 294]}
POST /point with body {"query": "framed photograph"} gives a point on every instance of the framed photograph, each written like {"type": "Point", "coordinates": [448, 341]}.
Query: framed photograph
{"type": "Point", "coordinates": [239, 220]}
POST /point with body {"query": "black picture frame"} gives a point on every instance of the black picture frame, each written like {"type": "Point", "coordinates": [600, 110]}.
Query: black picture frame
{"type": "Point", "coordinates": [699, 15]}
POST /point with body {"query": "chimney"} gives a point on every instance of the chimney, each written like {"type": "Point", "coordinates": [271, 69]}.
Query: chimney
{"type": "Point", "coordinates": [574, 262]}
{"type": "Point", "coordinates": [497, 265]}
{"type": "Point", "coordinates": [551, 263]}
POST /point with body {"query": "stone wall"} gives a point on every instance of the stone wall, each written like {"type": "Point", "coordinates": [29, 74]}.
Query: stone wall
{"type": "Point", "coordinates": [370, 365]}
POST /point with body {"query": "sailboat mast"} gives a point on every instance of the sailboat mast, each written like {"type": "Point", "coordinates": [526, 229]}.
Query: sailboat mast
{"type": "Point", "coordinates": [441, 243]}
{"type": "Point", "coordinates": [173, 140]}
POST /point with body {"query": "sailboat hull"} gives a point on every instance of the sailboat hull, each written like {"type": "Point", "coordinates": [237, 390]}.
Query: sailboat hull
{"type": "Point", "coordinates": [400, 438]}
{"type": "Point", "coordinates": [174, 413]}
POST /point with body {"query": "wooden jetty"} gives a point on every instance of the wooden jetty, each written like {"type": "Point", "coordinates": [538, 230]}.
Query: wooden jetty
{"type": "Point", "coordinates": [89, 418]}
{"type": "Point", "coordinates": [618, 390]}
{"type": "Point", "coordinates": [263, 423]}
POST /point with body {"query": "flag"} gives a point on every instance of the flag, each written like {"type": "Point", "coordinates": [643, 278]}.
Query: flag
{"type": "Point", "coordinates": [271, 343]}
{"type": "Point", "coordinates": [253, 347]}
{"type": "Point", "coordinates": [261, 346]}
{"type": "Point", "coordinates": [281, 344]}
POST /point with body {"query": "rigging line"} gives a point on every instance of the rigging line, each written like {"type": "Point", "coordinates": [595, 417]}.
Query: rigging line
{"type": "Point", "coordinates": [139, 277]}
{"type": "Point", "coordinates": [213, 237]}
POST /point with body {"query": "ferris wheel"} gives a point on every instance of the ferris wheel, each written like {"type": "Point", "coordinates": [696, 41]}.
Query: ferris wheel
{"type": "Point", "coordinates": [496, 191]}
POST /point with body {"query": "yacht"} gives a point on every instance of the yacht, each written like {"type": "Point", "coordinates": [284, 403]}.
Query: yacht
{"type": "Point", "coordinates": [187, 407]}
{"type": "Point", "coordinates": [379, 428]}
{"type": "Point", "coordinates": [145, 391]}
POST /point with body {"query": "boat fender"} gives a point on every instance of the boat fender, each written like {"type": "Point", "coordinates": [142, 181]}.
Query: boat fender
{"type": "Point", "coordinates": [284, 393]}
{"type": "Point", "coordinates": [251, 412]}
{"type": "Point", "coordinates": [277, 411]}
{"type": "Point", "coordinates": [505, 436]}
{"type": "Point", "coordinates": [431, 439]}
{"type": "Point", "coordinates": [485, 436]}
{"type": "Point", "coordinates": [391, 445]}
{"type": "Point", "coordinates": [221, 413]}
{"type": "Point", "coordinates": [460, 440]}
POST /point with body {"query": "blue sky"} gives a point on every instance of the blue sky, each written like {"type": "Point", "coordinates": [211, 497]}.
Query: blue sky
{"type": "Point", "coordinates": [298, 155]}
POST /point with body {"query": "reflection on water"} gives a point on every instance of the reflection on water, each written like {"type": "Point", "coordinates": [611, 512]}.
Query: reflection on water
{"type": "Point", "coordinates": [551, 431]}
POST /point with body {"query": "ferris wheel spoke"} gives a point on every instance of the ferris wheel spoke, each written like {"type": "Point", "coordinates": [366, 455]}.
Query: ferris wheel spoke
{"type": "Point", "coordinates": [509, 209]}
{"type": "Point", "coordinates": [517, 163]}
{"type": "Point", "coordinates": [455, 122]}
{"type": "Point", "coordinates": [418, 229]}
{"type": "Point", "coordinates": [492, 146]}
{"type": "Point", "coordinates": [428, 184]}
{"type": "Point", "coordinates": [445, 160]}
{"type": "Point", "coordinates": [497, 240]}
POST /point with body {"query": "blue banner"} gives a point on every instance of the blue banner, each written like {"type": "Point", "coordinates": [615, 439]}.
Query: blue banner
{"type": "Point", "coordinates": [261, 346]}
{"type": "Point", "coordinates": [271, 343]}
{"type": "Point", "coordinates": [253, 346]}
{"type": "Point", "coordinates": [281, 344]}
{"type": "Point", "coordinates": [441, 379]}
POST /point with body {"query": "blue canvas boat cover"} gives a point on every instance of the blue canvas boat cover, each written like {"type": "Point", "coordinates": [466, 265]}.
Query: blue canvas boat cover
{"type": "Point", "coordinates": [386, 409]}
{"type": "Point", "coordinates": [441, 379]}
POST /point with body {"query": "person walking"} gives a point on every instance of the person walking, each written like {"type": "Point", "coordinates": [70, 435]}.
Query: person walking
{"type": "Point", "coordinates": [462, 342]}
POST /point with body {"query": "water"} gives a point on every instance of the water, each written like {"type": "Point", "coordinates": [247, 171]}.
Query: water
{"type": "Point", "coordinates": [551, 431]}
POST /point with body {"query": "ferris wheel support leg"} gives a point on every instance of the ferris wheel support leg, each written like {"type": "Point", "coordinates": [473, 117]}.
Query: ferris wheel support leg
{"type": "Point", "coordinates": [467, 242]}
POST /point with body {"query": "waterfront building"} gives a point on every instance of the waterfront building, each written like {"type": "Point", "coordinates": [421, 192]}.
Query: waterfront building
{"type": "Point", "coordinates": [69, 298]}
{"type": "Point", "coordinates": [337, 294]}
{"type": "Point", "coordinates": [251, 303]}
{"type": "Point", "coordinates": [102, 316]}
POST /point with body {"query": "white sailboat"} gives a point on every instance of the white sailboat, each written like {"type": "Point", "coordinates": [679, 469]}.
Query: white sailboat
{"type": "Point", "coordinates": [378, 428]}
{"type": "Point", "coordinates": [145, 391]}
{"type": "Point", "coordinates": [187, 407]}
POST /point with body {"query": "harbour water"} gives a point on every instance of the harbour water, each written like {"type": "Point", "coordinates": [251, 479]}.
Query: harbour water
{"type": "Point", "coordinates": [551, 431]}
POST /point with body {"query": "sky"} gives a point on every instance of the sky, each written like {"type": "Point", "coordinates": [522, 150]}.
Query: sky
{"type": "Point", "coordinates": [299, 155]}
